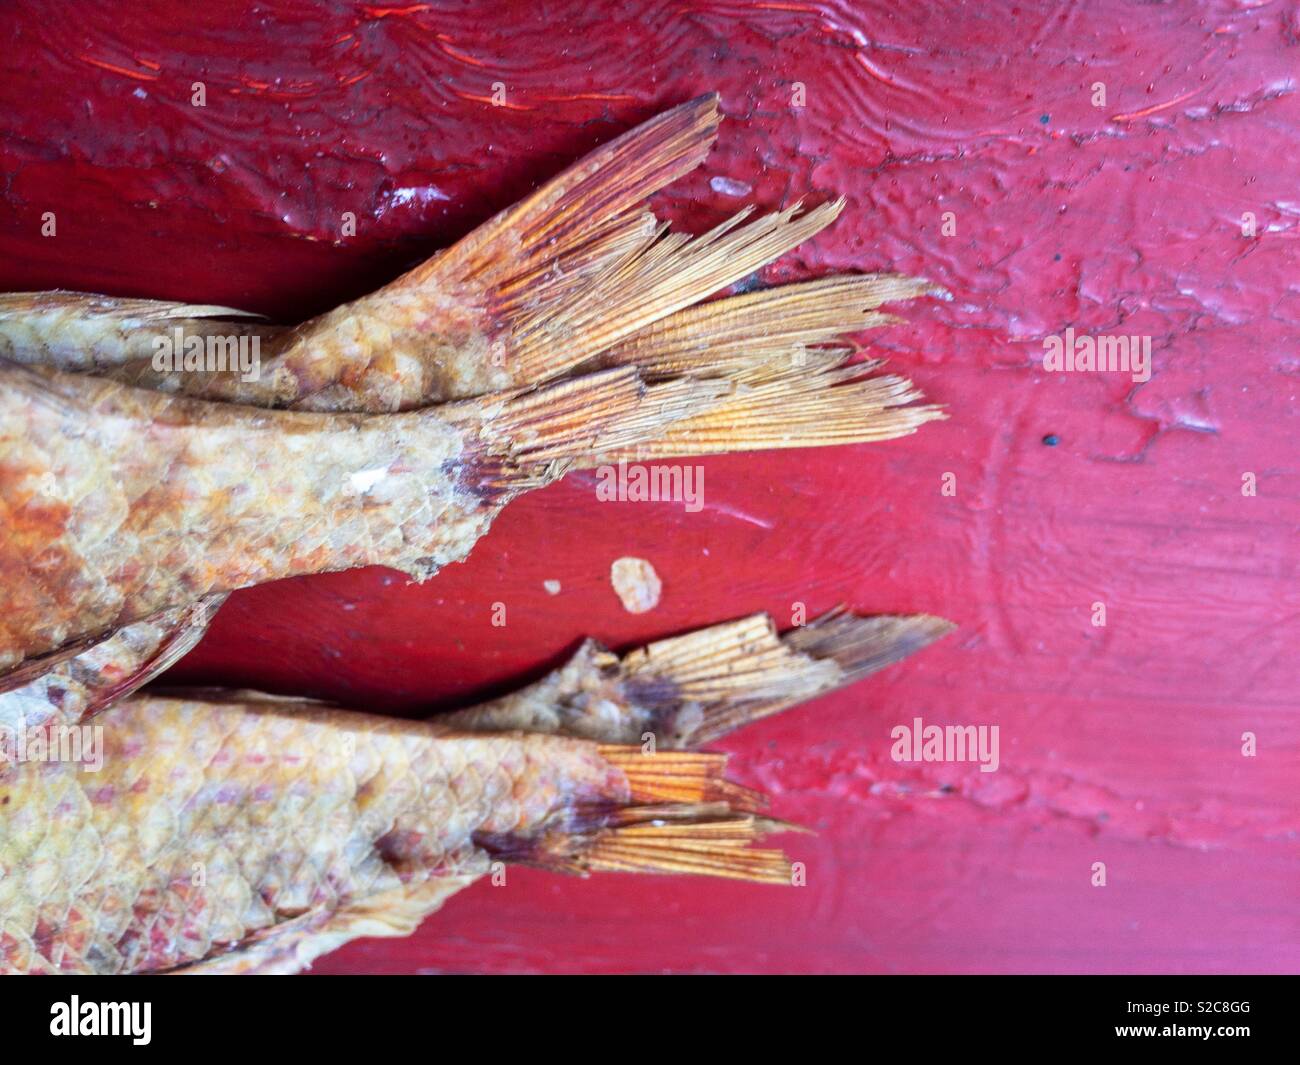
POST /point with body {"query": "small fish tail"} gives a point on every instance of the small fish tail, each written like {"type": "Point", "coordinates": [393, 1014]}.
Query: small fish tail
{"type": "Point", "coordinates": [582, 271]}
{"type": "Point", "coordinates": [701, 686]}
{"type": "Point", "coordinates": [689, 690]}
{"type": "Point", "coordinates": [681, 816]}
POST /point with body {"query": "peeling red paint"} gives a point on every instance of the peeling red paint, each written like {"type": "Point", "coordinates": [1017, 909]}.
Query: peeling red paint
{"type": "Point", "coordinates": [1120, 744]}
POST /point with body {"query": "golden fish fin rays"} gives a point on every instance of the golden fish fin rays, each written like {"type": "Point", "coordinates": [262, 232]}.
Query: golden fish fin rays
{"type": "Point", "coordinates": [531, 437]}
{"type": "Point", "coordinates": [682, 816]}
{"type": "Point", "coordinates": [718, 847]}
{"type": "Point", "coordinates": [529, 267]}
{"type": "Point", "coordinates": [787, 323]}
{"type": "Point", "coordinates": [663, 273]}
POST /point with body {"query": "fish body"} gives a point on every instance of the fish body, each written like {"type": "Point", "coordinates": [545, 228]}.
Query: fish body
{"type": "Point", "coordinates": [214, 827]}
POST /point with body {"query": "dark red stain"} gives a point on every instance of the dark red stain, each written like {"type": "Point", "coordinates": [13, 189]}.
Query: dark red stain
{"type": "Point", "coordinates": [1119, 744]}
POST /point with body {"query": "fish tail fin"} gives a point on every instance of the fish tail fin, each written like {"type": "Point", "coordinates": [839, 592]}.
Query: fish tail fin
{"type": "Point", "coordinates": [580, 267]}
{"type": "Point", "coordinates": [528, 438]}
{"type": "Point", "coordinates": [689, 690]}
{"type": "Point", "coordinates": [676, 811]}
{"type": "Point", "coordinates": [792, 387]}
{"type": "Point", "coordinates": [526, 283]}
{"type": "Point", "coordinates": [656, 274]}
{"type": "Point", "coordinates": [683, 840]}
{"type": "Point", "coordinates": [679, 814]}
{"type": "Point", "coordinates": [771, 408]}
{"type": "Point", "coordinates": [696, 688]}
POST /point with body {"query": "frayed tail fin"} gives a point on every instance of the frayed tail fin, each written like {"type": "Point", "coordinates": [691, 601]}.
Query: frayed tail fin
{"type": "Point", "coordinates": [771, 326]}
{"type": "Point", "coordinates": [793, 386]}
{"type": "Point", "coordinates": [689, 690]}
{"type": "Point", "coordinates": [580, 268]}
{"type": "Point", "coordinates": [505, 306]}
{"type": "Point", "coordinates": [772, 408]}
{"type": "Point", "coordinates": [701, 686]}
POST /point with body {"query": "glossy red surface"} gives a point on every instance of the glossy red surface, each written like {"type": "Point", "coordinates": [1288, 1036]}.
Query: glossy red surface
{"type": "Point", "coordinates": [1119, 744]}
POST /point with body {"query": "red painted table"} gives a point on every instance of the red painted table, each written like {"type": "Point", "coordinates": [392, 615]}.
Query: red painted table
{"type": "Point", "coordinates": [974, 147]}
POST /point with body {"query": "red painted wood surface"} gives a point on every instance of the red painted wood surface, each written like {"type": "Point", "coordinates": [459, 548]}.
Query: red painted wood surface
{"type": "Point", "coordinates": [1119, 744]}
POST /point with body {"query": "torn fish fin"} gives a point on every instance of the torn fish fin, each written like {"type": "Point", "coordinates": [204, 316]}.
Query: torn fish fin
{"type": "Point", "coordinates": [665, 272]}
{"type": "Point", "coordinates": [110, 666]}
{"type": "Point", "coordinates": [696, 688]}
{"type": "Point", "coordinates": [529, 438]}
{"type": "Point", "coordinates": [788, 323]}
{"type": "Point", "coordinates": [38, 667]}
{"type": "Point", "coordinates": [183, 628]}
{"type": "Point", "coordinates": [580, 266]}
{"type": "Point", "coordinates": [795, 382]}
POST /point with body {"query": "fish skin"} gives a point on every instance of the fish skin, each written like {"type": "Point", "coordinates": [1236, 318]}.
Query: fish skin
{"type": "Point", "coordinates": [88, 333]}
{"type": "Point", "coordinates": [122, 502]}
{"type": "Point", "coordinates": [212, 826]}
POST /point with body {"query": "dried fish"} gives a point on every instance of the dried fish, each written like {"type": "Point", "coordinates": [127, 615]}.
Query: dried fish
{"type": "Point", "coordinates": [123, 502]}
{"type": "Point", "coordinates": [576, 278]}
{"type": "Point", "coordinates": [247, 833]}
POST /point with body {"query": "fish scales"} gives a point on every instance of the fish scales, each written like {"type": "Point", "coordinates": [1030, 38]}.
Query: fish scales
{"type": "Point", "coordinates": [211, 823]}
{"type": "Point", "coordinates": [125, 502]}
